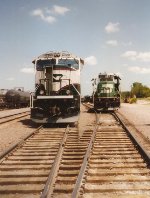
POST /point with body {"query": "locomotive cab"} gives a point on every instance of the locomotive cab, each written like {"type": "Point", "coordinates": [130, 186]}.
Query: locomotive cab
{"type": "Point", "coordinates": [57, 88]}
{"type": "Point", "coordinates": [107, 93]}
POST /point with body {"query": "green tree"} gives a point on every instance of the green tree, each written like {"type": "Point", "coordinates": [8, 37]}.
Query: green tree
{"type": "Point", "coordinates": [139, 90]}
{"type": "Point", "coordinates": [125, 94]}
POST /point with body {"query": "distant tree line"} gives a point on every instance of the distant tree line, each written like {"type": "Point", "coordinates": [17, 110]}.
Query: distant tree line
{"type": "Point", "coordinates": [138, 90]}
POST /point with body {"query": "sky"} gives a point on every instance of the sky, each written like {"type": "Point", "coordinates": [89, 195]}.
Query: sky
{"type": "Point", "coordinates": [112, 36]}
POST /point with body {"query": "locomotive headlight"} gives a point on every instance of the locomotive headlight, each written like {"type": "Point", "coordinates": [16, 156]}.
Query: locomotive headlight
{"type": "Point", "coordinates": [41, 92]}
{"type": "Point", "coordinates": [68, 92]}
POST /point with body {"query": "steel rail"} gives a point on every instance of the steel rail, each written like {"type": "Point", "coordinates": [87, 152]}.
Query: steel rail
{"type": "Point", "coordinates": [18, 143]}
{"type": "Point", "coordinates": [76, 190]}
{"type": "Point", "coordinates": [89, 105]}
{"type": "Point", "coordinates": [11, 117]}
{"type": "Point", "coordinates": [7, 116]}
{"type": "Point", "coordinates": [143, 152]}
{"type": "Point", "coordinates": [49, 186]}
{"type": "Point", "coordinates": [116, 168]}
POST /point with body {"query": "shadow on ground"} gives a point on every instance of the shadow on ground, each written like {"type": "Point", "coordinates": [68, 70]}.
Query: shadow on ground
{"type": "Point", "coordinates": [28, 122]}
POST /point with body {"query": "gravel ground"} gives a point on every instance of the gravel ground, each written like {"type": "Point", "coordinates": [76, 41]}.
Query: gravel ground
{"type": "Point", "coordinates": [85, 119]}
{"type": "Point", "coordinates": [139, 115]}
{"type": "Point", "coordinates": [14, 131]}
{"type": "Point", "coordinates": [12, 111]}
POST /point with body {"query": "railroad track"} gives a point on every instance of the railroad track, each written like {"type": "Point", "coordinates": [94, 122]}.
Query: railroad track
{"type": "Point", "coordinates": [69, 166]}
{"type": "Point", "coordinates": [103, 162]}
{"type": "Point", "coordinates": [115, 167]}
{"type": "Point", "coordinates": [39, 166]}
{"type": "Point", "coordinates": [24, 171]}
{"type": "Point", "coordinates": [12, 117]}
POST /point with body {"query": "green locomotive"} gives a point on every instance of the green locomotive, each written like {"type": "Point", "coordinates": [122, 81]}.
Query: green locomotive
{"type": "Point", "coordinates": [106, 91]}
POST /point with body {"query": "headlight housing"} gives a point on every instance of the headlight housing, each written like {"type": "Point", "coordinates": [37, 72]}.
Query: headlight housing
{"type": "Point", "coordinates": [68, 92]}
{"type": "Point", "coordinates": [41, 92]}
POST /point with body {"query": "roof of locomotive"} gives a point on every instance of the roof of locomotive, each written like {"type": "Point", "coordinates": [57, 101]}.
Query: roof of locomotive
{"type": "Point", "coordinates": [56, 54]}
{"type": "Point", "coordinates": [108, 77]}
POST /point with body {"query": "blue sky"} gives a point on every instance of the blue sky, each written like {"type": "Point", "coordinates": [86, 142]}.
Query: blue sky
{"type": "Point", "coordinates": [111, 35]}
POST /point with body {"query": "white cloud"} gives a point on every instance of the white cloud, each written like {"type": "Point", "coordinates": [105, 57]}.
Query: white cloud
{"type": "Point", "coordinates": [112, 27]}
{"type": "Point", "coordinates": [127, 43]}
{"type": "Point", "coordinates": [91, 60]}
{"type": "Point", "coordinates": [10, 79]}
{"type": "Point", "coordinates": [46, 14]}
{"type": "Point", "coordinates": [116, 43]}
{"type": "Point", "coordinates": [139, 70]}
{"type": "Point", "coordinates": [49, 19]}
{"type": "Point", "coordinates": [112, 42]}
{"type": "Point", "coordinates": [40, 13]}
{"type": "Point", "coordinates": [133, 55]}
{"type": "Point", "coordinates": [27, 70]}
{"type": "Point", "coordinates": [60, 10]}
{"type": "Point", "coordinates": [130, 55]}
{"type": "Point", "coordinates": [144, 56]}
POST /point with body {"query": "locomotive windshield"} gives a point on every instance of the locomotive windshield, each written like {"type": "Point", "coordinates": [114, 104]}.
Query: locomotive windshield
{"type": "Point", "coordinates": [69, 62]}
{"type": "Point", "coordinates": [106, 77]}
{"type": "Point", "coordinates": [40, 64]}
{"type": "Point", "coordinates": [43, 63]}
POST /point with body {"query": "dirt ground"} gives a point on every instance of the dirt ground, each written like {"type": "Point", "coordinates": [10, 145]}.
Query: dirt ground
{"type": "Point", "coordinates": [138, 114]}
{"type": "Point", "coordinates": [14, 131]}
{"type": "Point", "coordinates": [85, 119]}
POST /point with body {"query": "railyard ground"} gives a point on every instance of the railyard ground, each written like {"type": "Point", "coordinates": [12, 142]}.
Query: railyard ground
{"type": "Point", "coordinates": [138, 114]}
